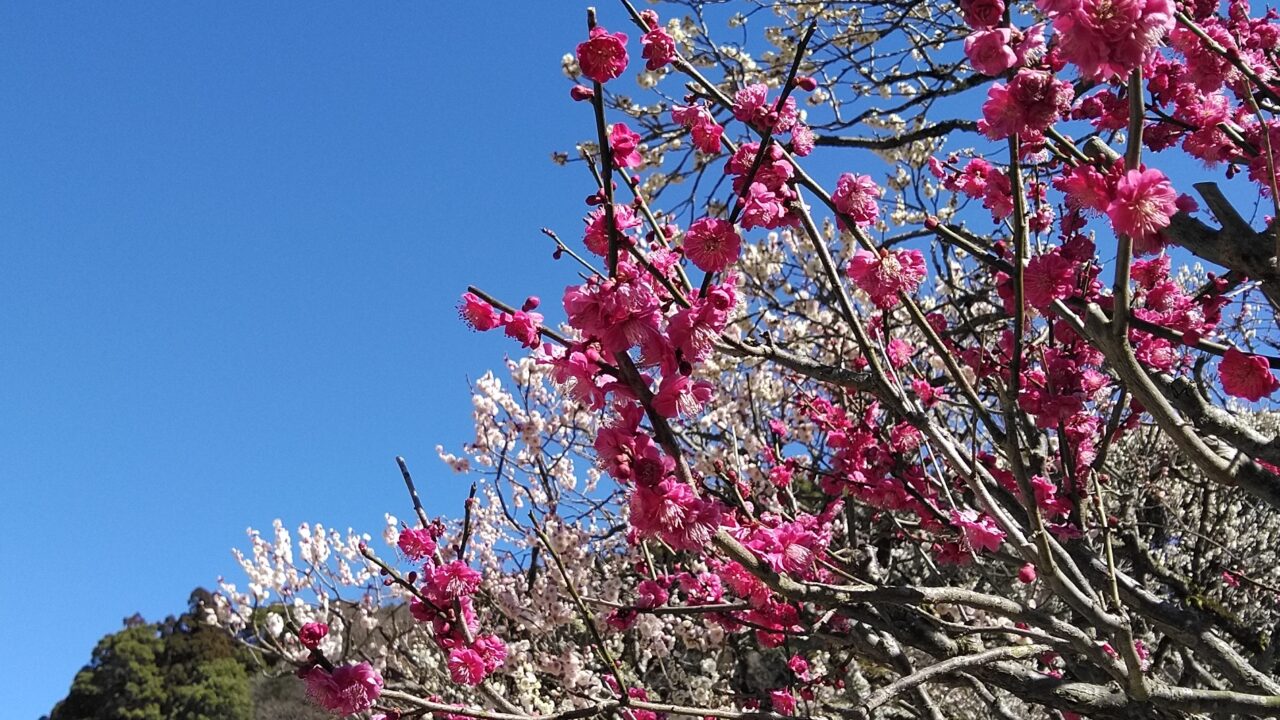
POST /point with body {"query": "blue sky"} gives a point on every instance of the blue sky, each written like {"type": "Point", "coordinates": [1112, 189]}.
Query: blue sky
{"type": "Point", "coordinates": [232, 236]}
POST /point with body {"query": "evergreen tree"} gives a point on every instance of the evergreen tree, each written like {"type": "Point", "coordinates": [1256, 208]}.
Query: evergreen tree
{"type": "Point", "coordinates": [180, 669]}
{"type": "Point", "coordinates": [122, 682]}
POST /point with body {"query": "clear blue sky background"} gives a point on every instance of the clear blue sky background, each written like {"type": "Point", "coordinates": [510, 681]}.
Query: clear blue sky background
{"type": "Point", "coordinates": [232, 236]}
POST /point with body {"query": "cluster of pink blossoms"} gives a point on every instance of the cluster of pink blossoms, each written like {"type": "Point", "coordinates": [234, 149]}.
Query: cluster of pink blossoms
{"type": "Point", "coordinates": [978, 179]}
{"type": "Point", "coordinates": [523, 325]}
{"type": "Point", "coordinates": [871, 459]}
{"type": "Point", "coordinates": [706, 132]}
{"type": "Point", "coordinates": [765, 202]}
{"type": "Point", "coordinates": [635, 355]}
{"type": "Point", "coordinates": [446, 601]}
{"type": "Point", "coordinates": [596, 236]}
{"type": "Point", "coordinates": [1108, 38]}
{"type": "Point", "coordinates": [658, 48]}
{"type": "Point", "coordinates": [344, 690]}
{"type": "Point", "coordinates": [790, 547]}
{"type": "Point", "coordinates": [1139, 203]}
{"type": "Point", "coordinates": [751, 105]}
{"type": "Point", "coordinates": [1027, 106]}
{"type": "Point", "coordinates": [879, 466]}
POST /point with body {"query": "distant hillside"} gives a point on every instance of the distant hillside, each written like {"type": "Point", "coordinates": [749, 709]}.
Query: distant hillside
{"type": "Point", "coordinates": [179, 669]}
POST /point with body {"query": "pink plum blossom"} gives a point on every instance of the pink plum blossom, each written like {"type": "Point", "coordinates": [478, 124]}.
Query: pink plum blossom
{"type": "Point", "coordinates": [603, 56]}
{"type": "Point", "coordinates": [348, 690]}
{"type": "Point", "coordinates": [883, 275]}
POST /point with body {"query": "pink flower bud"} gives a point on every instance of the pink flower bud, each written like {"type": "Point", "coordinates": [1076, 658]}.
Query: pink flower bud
{"type": "Point", "coordinates": [311, 634]}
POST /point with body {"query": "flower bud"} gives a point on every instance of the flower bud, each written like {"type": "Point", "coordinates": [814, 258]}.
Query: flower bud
{"type": "Point", "coordinates": [1027, 574]}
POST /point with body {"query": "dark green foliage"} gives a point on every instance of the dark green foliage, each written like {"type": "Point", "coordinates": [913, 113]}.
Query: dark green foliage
{"type": "Point", "coordinates": [122, 682]}
{"type": "Point", "coordinates": [179, 669]}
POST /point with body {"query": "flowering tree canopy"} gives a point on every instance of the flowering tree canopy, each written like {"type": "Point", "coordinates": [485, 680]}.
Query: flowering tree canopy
{"type": "Point", "coordinates": [916, 361]}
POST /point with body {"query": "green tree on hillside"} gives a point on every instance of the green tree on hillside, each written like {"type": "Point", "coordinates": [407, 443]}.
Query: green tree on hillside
{"type": "Point", "coordinates": [179, 669]}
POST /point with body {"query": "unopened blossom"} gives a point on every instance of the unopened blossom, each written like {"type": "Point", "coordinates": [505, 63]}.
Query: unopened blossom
{"type": "Point", "coordinates": [857, 197]}
{"type": "Point", "coordinates": [625, 144]}
{"type": "Point", "coordinates": [657, 47]}
{"type": "Point", "coordinates": [712, 244]}
{"type": "Point", "coordinates": [1246, 376]}
{"type": "Point", "coordinates": [311, 634]}
{"type": "Point", "coordinates": [1143, 205]}
{"type": "Point", "coordinates": [1027, 574]}
{"type": "Point", "coordinates": [990, 52]}
{"type": "Point", "coordinates": [884, 274]}
{"type": "Point", "coordinates": [348, 690]}
{"type": "Point", "coordinates": [603, 56]}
